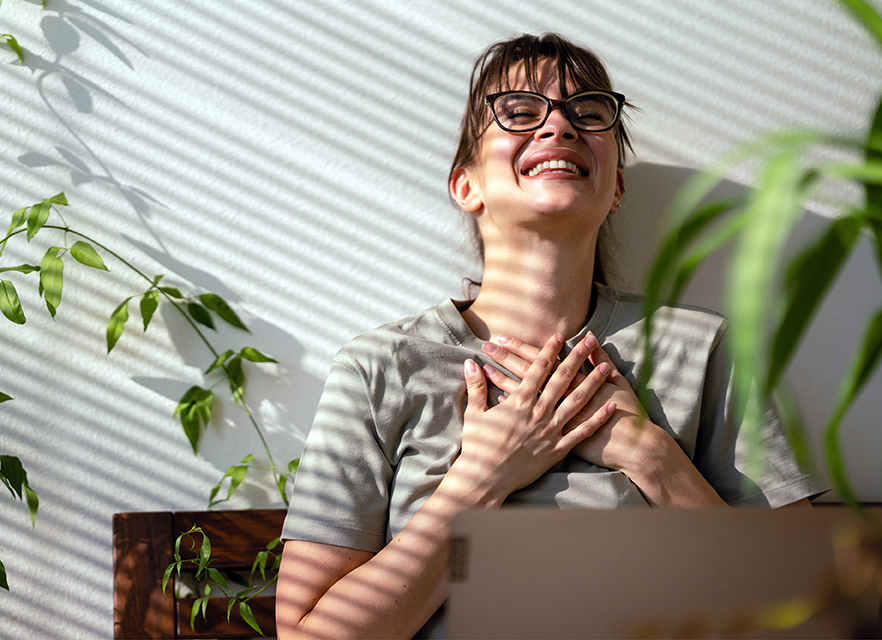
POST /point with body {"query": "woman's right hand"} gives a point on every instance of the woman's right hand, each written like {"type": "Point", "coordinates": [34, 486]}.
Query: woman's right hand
{"type": "Point", "coordinates": [510, 445]}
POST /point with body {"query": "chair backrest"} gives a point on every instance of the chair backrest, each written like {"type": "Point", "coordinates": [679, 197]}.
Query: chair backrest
{"type": "Point", "coordinates": [143, 546]}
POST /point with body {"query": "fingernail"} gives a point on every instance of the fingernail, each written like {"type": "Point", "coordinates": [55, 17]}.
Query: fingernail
{"type": "Point", "coordinates": [489, 348]}
{"type": "Point", "coordinates": [603, 368]}
{"type": "Point", "coordinates": [489, 371]}
{"type": "Point", "coordinates": [471, 367]}
{"type": "Point", "coordinates": [610, 408]}
{"type": "Point", "coordinates": [590, 341]}
{"type": "Point", "coordinates": [503, 339]}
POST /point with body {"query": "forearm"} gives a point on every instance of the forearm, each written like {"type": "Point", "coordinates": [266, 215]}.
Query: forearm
{"type": "Point", "coordinates": [392, 594]}
{"type": "Point", "coordinates": [665, 474]}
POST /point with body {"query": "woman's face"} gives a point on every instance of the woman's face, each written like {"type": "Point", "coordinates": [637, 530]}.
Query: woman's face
{"type": "Point", "coordinates": [508, 182]}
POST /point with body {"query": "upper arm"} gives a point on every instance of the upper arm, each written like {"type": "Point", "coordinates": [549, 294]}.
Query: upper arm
{"type": "Point", "coordinates": [307, 572]}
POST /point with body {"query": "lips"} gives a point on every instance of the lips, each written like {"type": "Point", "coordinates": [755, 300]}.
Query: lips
{"type": "Point", "coordinates": [554, 161]}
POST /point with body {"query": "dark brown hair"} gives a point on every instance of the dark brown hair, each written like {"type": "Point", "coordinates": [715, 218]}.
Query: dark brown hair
{"type": "Point", "coordinates": [577, 67]}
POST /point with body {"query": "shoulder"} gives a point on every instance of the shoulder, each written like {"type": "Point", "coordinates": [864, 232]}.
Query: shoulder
{"type": "Point", "coordinates": [404, 340]}
{"type": "Point", "coordinates": [682, 322]}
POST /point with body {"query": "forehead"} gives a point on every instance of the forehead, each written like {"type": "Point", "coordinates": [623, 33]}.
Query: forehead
{"type": "Point", "coordinates": [546, 76]}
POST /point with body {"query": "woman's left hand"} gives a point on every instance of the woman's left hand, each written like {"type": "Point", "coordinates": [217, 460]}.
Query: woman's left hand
{"type": "Point", "coordinates": [629, 441]}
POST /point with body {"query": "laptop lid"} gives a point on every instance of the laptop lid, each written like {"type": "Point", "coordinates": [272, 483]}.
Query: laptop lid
{"type": "Point", "coordinates": [546, 573]}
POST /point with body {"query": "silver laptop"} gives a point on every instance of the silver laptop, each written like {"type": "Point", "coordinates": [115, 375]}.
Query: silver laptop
{"type": "Point", "coordinates": [646, 573]}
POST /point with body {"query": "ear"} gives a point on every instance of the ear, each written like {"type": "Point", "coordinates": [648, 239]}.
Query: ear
{"type": "Point", "coordinates": [463, 189]}
{"type": "Point", "coordinates": [620, 189]}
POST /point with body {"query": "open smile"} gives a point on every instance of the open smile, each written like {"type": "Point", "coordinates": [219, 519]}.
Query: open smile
{"type": "Point", "coordinates": [554, 166]}
{"type": "Point", "coordinates": [554, 162]}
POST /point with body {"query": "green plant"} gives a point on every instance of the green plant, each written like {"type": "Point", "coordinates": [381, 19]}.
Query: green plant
{"type": "Point", "coordinates": [765, 337]}
{"type": "Point", "coordinates": [208, 578]}
{"type": "Point", "coordinates": [11, 41]}
{"type": "Point", "coordinates": [195, 407]}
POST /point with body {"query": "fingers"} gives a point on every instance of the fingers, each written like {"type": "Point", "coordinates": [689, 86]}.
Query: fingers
{"type": "Point", "coordinates": [537, 374]}
{"type": "Point", "coordinates": [582, 394]}
{"type": "Point", "coordinates": [503, 382]}
{"type": "Point", "coordinates": [568, 371]}
{"type": "Point", "coordinates": [589, 427]}
{"type": "Point", "coordinates": [476, 387]}
{"type": "Point", "coordinates": [515, 355]}
{"type": "Point", "coordinates": [598, 357]}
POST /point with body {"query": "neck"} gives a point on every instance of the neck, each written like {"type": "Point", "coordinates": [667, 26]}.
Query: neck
{"type": "Point", "coordinates": [534, 289]}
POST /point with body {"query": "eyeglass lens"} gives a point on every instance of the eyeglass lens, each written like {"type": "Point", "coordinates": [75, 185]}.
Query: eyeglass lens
{"type": "Point", "coordinates": [525, 111]}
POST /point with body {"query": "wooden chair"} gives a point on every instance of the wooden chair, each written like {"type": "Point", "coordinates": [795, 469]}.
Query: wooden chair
{"type": "Point", "coordinates": [143, 546]}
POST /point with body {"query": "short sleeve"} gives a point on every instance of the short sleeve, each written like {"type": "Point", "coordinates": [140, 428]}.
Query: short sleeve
{"type": "Point", "coordinates": [746, 468]}
{"type": "Point", "coordinates": [341, 489]}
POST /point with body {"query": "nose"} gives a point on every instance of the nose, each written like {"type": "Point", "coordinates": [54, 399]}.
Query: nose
{"type": "Point", "coordinates": [557, 125]}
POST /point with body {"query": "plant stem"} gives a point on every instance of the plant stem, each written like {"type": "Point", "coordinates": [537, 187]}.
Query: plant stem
{"type": "Point", "coordinates": [240, 398]}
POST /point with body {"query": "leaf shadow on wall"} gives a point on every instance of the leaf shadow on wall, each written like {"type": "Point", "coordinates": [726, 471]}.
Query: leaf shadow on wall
{"type": "Point", "coordinates": [64, 29]}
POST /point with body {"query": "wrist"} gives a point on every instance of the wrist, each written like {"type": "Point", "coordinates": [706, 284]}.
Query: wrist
{"type": "Point", "coordinates": [468, 486]}
{"type": "Point", "coordinates": [666, 475]}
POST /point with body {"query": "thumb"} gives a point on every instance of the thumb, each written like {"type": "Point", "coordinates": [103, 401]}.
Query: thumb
{"type": "Point", "coordinates": [476, 387]}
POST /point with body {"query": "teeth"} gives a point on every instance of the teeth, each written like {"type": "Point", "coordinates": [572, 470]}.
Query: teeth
{"type": "Point", "coordinates": [554, 165]}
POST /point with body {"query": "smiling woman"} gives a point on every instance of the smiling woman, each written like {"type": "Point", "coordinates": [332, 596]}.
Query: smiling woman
{"type": "Point", "coordinates": [522, 395]}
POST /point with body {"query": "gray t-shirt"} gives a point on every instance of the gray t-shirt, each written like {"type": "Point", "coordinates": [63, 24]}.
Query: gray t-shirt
{"type": "Point", "coordinates": [389, 423]}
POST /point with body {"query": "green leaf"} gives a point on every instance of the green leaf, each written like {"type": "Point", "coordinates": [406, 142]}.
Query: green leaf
{"type": "Point", "coordinates": [260, 561]}
{"type": "Point", "coordinates": [85, 253]}
{"type": "Point", "coordinates": [248, 616]}
{"type": "Point", "coordinates": [689, 221]}
{"type": "Point", "coordinates": [13, 44]}
{"type": "Point", "coordinates": [236, 376]}
{"type": "Point", "coordinates": [51, 278]}
{"type": "Point", "coordinates": [10, 305]}
{"type": "Point", "coordinates": [218, 578]}
{"type": "Point", "coordinates": [703, 250]}
{"type": "Point", "coordinates": [866, 16]}
{"type": "Point", "coordinates": [149, 304]}
{"type": "Point", "coordinates": [22, 268]}
{"type": "Point", "coordinates": [214, 302]}
{"type": "Point", "coordinates": [4, 397]}
{"type": "Point", "coordinates": [167, 575]}
{"type": "Point", "coordinates": [33, 503]}
{"type": "Point", "coordinates": [809, 277]}
{"type": "Point", "coordinates": [37, 217]}
{"type": "Point", "coordinates": [237, 474]}
{"type": "Point", "coordinates": [204, 556]}
{"type": "Point", "coordinates": [198, 605]}
{"type": "Point", "coordinates": [59, 198]}
{"type": "Point", "coordinates": [200, 314]}
{"type": "Point", "coordinates": [3, 583]}
{"type": "Point", "coordinates": [773, 210]}
{"type": "Point", "coordinates": [194, 409]}
{"type": "Point", "coordinates": [172, 292]}
{"type": "Point", "coordinates": [864, 363]}
{"type": "Point", "coordinates": [19, 217]}
{"type": "Point", "coordinates": [294, 465]}
{"type": "Point", "coordinates": [13, 475]}
{"type": "Point", "coordinates": [219, 361]}
{"type": "Point", "coordinates": [117, 323]}
{"type": "Point", "coordinates": [253, 355]}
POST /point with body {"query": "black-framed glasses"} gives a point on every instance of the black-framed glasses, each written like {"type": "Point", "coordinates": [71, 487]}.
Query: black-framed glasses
{"type": "Point", "coordinates": [522, 111]}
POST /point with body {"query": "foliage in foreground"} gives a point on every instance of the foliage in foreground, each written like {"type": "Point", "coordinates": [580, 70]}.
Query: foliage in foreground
{"type": "Point", "coordinates": [759, 224]}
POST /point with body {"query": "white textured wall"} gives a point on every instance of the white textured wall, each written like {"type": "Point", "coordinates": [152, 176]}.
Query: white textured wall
{"type": "Point", "coordinates": [291, 156]}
